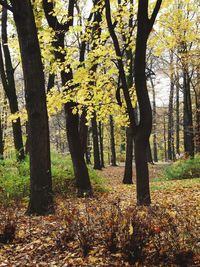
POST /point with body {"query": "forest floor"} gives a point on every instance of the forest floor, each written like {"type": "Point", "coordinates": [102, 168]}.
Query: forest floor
{"type": "Point", "coordinates": [108, 229]}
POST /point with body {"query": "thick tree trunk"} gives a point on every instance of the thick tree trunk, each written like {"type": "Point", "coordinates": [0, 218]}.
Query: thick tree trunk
{"type": "Point", "coordinates": [41, 197]}
{"type": "Point", "coordinates": [143, 191]}
{"type": "Point", "coordinates": [112, 143]}
{"type": "Point", "coordinates": [128, 172]}
{"type": "Point", "coordinates": [96, 152]}
{"type": "Point", "coordinates": [187, 117]}
{"type": "Point", "coordinates": [101, 144]}
{"type": "Point", "coordinates": [143, 132]}
{"type": "Point", "coordinates": [10, 90]}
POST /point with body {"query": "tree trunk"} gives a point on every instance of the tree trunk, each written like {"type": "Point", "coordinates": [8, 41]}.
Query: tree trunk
{"type": "Point", "coordinates": [1, 141]}
{"type": "Point", "coordinates": [101, 144]}
{"type": "Point", "coordinates": [77, 155]}
{"type": "Point", "coordinates": [72, 120]}
{"type": "Point", "coordinates": [170, 121]}
{"type": "Point", "coordinates": [187, 117]}
{"type": "Point", "coordinates": [142, 131]}
{"type": "Point", "coordinates": [155, 156]}
{"type": "Point", "coordinates": [149, 154]}
{"type": "Point", "coordinates": [165, 138]}
{"type": "Point", "coordinates": [41, 197]}
{"type": "Point", "coordinates": [51, 81]}
{"type": "Point", "coordinates": [177, 120]}
{"type": "Point", "coordinates": [112, 143]}
{"type": "Point", "coordinates": [197, 128]}
{"type": "Point", "coordinates": [96, 152]}
{"type": "Point", "coordinates": [10, 90]}
{"type": "Point", "coordinates": [128, 172]}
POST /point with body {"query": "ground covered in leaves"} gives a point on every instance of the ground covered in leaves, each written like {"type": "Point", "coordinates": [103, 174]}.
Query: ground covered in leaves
{"type": "Point", "coordinates": [108, 229]}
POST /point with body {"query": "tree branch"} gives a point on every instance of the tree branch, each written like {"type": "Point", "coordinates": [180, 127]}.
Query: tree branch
{"type": "Point", "coordinates": [154, 14]}
{"type": "Point", "coordinates": [6, 5]}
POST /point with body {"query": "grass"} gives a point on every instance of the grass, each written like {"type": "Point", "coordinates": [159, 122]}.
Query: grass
{"type": "Point", "coordinates": [183, 169]}
{"type": "Point", "coordinates": [163, 184]}
{"type": "Point", "coordinates": [15, 179]}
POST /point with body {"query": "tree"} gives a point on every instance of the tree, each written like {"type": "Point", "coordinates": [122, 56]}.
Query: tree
{"type": "Point", "coordinates": [141, 132]}
{"type": "Point", "coordinates": [72, 120]}
{"type": "Point", "coordinates": [128, 171]}
{"type": "Point", "coordinates": [7, 75]}
{"type": "Point", "coordinates": [41, 197]}
{"type": "Point", "coordinates": [1, 142]}
{"type": "Point", "coordinates": [112, 142]}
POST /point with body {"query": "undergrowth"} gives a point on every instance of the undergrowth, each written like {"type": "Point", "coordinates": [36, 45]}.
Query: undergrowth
{"type": "Point", "coordinates": [15, 179]}
{"type": "Point", "coordinates": [183, 169]}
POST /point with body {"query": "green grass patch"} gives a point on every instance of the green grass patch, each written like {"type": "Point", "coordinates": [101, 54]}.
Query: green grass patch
{"type": "Point", "coordinates": [183, 169]}
{"type": "Point", "coordinates": [15, 179]}
{"type": "Point", "coordinates": [161, 184]}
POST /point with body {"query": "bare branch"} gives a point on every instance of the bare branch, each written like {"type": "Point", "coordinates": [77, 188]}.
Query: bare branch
{"type": "Point", "coordinates": [154, 14]}
{"type": "Point", "coordinates": [6, 5]}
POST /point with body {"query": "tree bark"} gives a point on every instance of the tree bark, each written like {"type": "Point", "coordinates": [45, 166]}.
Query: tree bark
{"type": "Point", "coordinates": [155, 154]}
{"type": "Point", "coordinates": [112, 143]}
{"type": "Point", "coordinates": [72, 120]}
{"type": "Point", "coordinates": [101, 144]}
{"type": "Point", "coordinates": [96, 152]}
{"type": "Point", "coordinates": [41, 196]}
{"type": "Point", "coordinates": [165, 138]}
{"type": "Point", "coordinates": [187, 116]}
{"type": "Point", "coordinates": [197, 122]}
{"type": "Point", "coordinates": [149, 154]}
{"type": "Point", "coordinates": [171, 121]}
{"type": "Point", "coordinates": [10, 89]}
{"type": "Point", "coordinates": [142, 131]}
{"type": "Point", "coordinates": [1, 142]}
{"type": "Point", "coordinates": [177, 119]}
{"type": "Point", "coordinates": [128, 172]}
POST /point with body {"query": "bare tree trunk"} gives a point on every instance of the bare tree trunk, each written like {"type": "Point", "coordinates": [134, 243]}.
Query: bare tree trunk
{"type": "Point", "coordinates": [1, 142]}
{"type": "Point", "coordinates": [165, 138]}
{"type": "Point", "coordinates": [10, 89]}
{"type": "Point", "coordinates": [128, 172]}
{"type": "Point", "coordinates": [142, 131]}
{"type": "Point", "coordinates": [112, 142]}
{"type": "Point", "coordinates": [155, 156]}
{"type": "Point", "coordinates": [41, 197]}
{"type": "Point", "coordinates": [187, 117]}
{"type": "Point", "coordinates": [177, 119]}
{"type": "Point", "coordinates": [72, 120]}
{"type": "Point", "coordinates": [101, 144]}
{"type": "Point", "coordinates": [170, 122]}
{"type": "Point", "coordinates": [96, 152]}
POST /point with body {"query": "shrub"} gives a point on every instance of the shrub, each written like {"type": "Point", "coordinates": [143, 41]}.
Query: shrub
{"type": "Point", "coordinates": [183, 169]}
{"type": "Point", "coordinates": [146, 236]}
{"type": "Point", "coordinates": [15, 178]}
